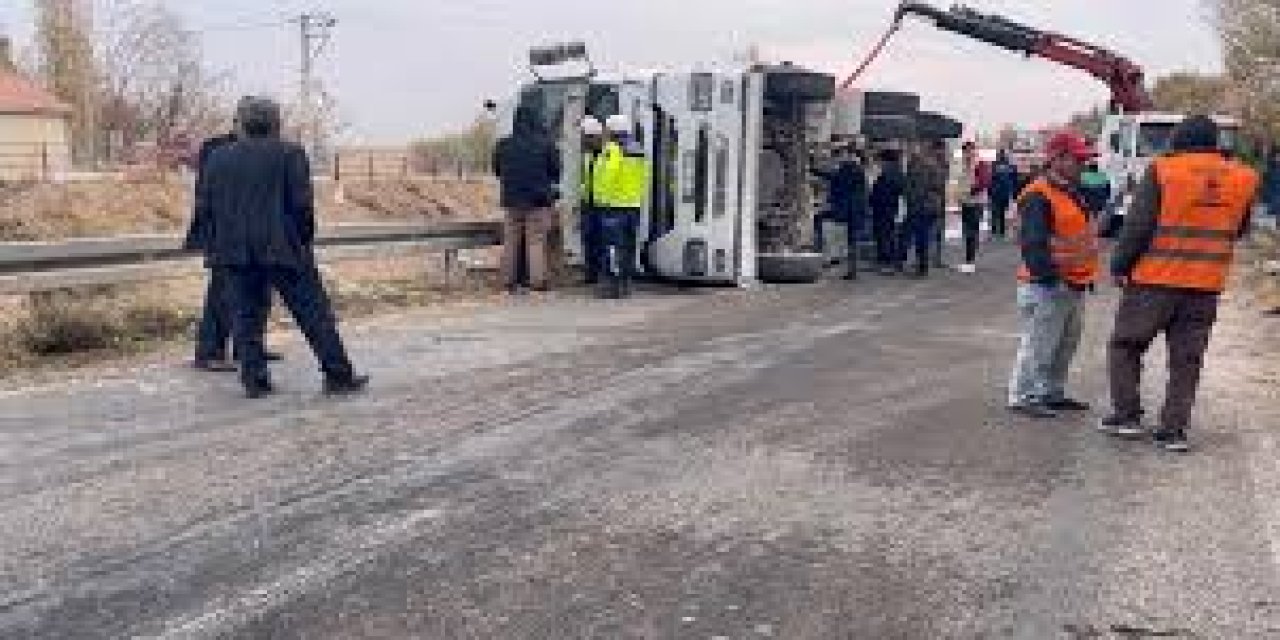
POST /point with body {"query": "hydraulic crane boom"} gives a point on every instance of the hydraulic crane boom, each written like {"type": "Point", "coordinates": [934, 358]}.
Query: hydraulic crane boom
{"type": "Point", "coordinates": [1125, 78]}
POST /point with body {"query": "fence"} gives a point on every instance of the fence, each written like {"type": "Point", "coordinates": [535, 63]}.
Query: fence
{"type": "Point", "coordinates": [40, 161]}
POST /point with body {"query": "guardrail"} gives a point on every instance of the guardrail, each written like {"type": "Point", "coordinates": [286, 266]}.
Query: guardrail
{"type": "Point", "coordinates": [31, 267]}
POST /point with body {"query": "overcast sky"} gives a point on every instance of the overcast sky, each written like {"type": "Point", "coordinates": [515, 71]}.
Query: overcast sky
{"type": "Point", "coordinates": [402, 68]}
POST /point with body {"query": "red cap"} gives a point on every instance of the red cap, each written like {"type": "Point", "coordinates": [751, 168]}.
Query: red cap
{"type": "Point", "coordinates": [1069, 143]}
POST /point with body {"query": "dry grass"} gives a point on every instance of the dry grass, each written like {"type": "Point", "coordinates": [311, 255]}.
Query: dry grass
{"type": "Point", "coordinates": [68, 328]}
{"type": "Point", "coordinates": [30, 211]}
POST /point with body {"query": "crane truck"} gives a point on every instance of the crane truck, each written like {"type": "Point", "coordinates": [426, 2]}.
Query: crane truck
{"type": "Point", "coordinates": [733, 189]}
{"type": "Point", "coordinates": [1133, 132]}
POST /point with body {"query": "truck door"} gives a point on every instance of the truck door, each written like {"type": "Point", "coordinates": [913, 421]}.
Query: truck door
{"type": "Point", "coordinates": [695, 203]}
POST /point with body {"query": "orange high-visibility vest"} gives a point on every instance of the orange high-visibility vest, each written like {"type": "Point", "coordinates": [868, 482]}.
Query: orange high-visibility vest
{"type": "Point", "coordinates": [1074, 244]}
{"type": "Point", "coordinates": [1204, 200]}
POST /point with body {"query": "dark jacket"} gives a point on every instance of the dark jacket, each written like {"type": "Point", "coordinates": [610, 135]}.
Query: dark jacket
{"type": "Point", "coordinates": [1271, 186]}
{"type": "Point", "coordinates": [257, 196]}
{"type": "Point", "coordinates": [846, 190]}
{"type": "Point", "coordinates": [198, 232]}
{"type": "Point", "coordinates": [888, 189]}
{"type": "Point", "coordinates": [527, 164]}
{"type": "Point", "coordinates": [1004, 180]}
{"type": "Point", "coordinates": [1140, 223]}
{"type": "Point", "coordinates": [1035, 233]}
{"type": "Point", "coordinates": [926, 189]}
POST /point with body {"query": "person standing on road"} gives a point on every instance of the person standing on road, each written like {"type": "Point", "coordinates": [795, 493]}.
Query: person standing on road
{"type": "Point", "coordinates": [592, 247]}
{"type": "Point", "coordinates": [975, 180]}
{"type": "Point", "coordinates": [1004, 186]}
{"type": "Point", "coordinates": [620, 180]}
{"type": "Point", "coordinates": [527, 164]}
{"type": "Point", "coordinates": [1173, 260]}
{"type": "Point", "coordinates": [1060, 265]}
{"type": "Point", "coordinates": [847, 202]}
{"type": "Point", "coordinates": [214, 332]}
{"type": "Point", "coordinates": [257, 196]}
{"type": "Point", "coordinates": [926, 196]}
{"type": "Point", "coordinates": [886, 200]}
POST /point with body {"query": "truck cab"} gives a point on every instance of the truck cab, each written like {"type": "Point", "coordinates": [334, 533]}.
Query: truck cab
{"type": "Point", "coordinates": [1130, 142]}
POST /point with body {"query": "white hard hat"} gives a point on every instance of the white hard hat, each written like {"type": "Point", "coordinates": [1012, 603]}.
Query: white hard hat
{"type": "Point", "coordinates": [618, 124]}
{"type": "Point", "coordinates": [591, 126]}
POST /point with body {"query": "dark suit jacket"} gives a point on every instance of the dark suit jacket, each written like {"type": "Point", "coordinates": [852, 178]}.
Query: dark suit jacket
{"type": "Point", "coordinates": [198, 232]}
{"type": "Point", "coordinates": [258, 200]}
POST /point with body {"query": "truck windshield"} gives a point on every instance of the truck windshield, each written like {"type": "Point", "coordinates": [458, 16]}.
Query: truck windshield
{"type": "Point", "coordinates": [547, 99]}
{"type": "Point", "coordinates": [1156, 138]}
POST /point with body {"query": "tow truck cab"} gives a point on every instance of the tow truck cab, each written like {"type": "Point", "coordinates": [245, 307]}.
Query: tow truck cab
{"type": "Point", "coordinates": [1130, 142]}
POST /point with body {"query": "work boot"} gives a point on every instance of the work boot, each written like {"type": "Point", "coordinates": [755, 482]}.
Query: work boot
{"type": "Point", "coordinates": [1172, 440]}
{"type": "Point", "coordinates": [1033, 409]}
{"type": "Point", "coordinates": [1122, 427]}
{"type": "Point", "coordinates": [258, 388]}
{"type": "Point", "coordinates": [1067, 404]}
{"type": "Point", "coordinates": [345, 386]}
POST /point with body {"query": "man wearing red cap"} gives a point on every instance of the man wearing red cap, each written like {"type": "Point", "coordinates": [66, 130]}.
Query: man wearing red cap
{"type": "Point", "coordinates": [1058, 238]}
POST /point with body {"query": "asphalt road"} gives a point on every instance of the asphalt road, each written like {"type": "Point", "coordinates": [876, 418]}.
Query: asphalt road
{"type": "Point", "coordinates": [827, 461]}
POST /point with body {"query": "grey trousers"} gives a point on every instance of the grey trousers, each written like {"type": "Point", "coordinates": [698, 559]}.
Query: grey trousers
{"type": "Point", "coordinates": [1052, 322]}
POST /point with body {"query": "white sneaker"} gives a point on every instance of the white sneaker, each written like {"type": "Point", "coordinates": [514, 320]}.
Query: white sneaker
{"type": "Point", "coordinates": [967, 268]}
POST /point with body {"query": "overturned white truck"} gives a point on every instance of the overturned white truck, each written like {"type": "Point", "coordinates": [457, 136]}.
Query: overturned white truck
{"type": "Point", "coordinates": [733, 193]}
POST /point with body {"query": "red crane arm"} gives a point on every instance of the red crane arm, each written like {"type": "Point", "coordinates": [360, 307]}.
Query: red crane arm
{"type": "Point", "coordinates": [1123, 76]}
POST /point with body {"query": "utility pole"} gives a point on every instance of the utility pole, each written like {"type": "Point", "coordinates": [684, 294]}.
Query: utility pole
{"type": "Point", "coordinates": [315, 31]}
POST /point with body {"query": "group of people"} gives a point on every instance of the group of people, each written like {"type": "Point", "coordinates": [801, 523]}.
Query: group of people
{"type": "Point", "coordinates": [906, 207]}
{"type": "Point", "coordinates": [615, 178]}
{"type": "Point", "coordinates": [1172, 261]}
{"type": "Point", "coordinates": [254, 221]}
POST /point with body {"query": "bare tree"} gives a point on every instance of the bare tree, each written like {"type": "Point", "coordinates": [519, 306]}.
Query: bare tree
{"type": "Point", "coordinates": [156, 85]}
{"type": "Point", "coordinates": [65, 52]}
{"type": "Point", "coordinates": [1250, 31]}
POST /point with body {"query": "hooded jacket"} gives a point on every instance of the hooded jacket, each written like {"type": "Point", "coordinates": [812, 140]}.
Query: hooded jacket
{"type": "Point", "coordinates": [527, 164]}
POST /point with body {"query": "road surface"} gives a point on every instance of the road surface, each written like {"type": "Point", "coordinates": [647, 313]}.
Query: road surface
{"type": "Point", "coordinates": [828, 461]}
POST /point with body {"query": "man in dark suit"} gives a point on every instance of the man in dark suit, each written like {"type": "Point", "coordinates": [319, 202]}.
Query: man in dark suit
{"type": "Point", "coordinates": [257, 197]}
{"type": "Point", "coordinates": [215, 322]}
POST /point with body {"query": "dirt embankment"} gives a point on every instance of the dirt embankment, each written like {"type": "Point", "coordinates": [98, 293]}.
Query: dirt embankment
{"type": "Point", "coordinates": [163, 205]}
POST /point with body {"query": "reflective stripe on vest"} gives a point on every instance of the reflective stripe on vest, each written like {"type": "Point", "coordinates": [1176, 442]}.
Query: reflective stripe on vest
{"type": "Point", "coordinates": [1204, 199]}
{"type": "Point", "coordinates": [1074, 243]}
{"type": "Point", "coordinates": [620, 177]}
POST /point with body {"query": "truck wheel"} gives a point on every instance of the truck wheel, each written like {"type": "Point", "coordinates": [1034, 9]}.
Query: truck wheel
{"type": "Point", "coordinates": [890, 103]}
{"type": "Point", "coordinates": [889, 127]}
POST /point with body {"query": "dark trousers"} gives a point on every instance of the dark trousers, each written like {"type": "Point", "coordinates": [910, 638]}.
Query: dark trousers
{"type": "Point", "coordinates": [1000, 216]}
{"type": "Point", "coordinates": [917, 232]}
{"type": "Point", "coordinates": [618, 241]}
{"type": "Point", "coordinates": [884, 229]}
{"type": "Point", "coordinates": [217, 318]}
{"type": "Point", "coordinates": [1186, 318]}
{"type": "Point", "coordinates": [303, 294]}
{"type": "Point", "coordinates": [593, 254]}
{"type": "Point", "coordinates": [970, 226]}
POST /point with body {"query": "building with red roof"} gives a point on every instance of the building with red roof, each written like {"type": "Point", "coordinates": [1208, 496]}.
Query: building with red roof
{"type": "Point", "coordinates": [34, 126]}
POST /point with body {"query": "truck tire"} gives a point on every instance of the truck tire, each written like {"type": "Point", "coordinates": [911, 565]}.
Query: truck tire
{"type": "Point", "coordinates": [889, 127]}
{"type": "Point", "coordinates": [937, 126]}
{"type": "Point", "coordinates": [890, 103]}
{"type": "Point", "coordinates": [787, 82]}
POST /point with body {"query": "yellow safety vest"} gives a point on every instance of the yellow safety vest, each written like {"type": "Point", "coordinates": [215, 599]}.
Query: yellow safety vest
{"type": "Point", "coordinates": [620, 177]}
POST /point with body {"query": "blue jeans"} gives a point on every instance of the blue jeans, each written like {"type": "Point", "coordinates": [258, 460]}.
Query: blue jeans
{"type": "Point", "coordinates": [593, 254]}
{"type": "Point", "coordinates": [916, 232]}
{"type": "Point", "coordinates": [618, 248]}
{"type": "Point", "coordinates": [1052, 322]}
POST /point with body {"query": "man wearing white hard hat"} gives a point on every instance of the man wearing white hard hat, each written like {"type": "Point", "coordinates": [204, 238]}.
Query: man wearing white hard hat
{"type": "Point", "coordinates": [619, 179]}
{"type": "Point", "coordinates": [592, 247]}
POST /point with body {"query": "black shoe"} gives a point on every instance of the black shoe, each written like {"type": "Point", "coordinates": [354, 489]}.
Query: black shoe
{"type": "Point", "coordinates": [214, 366]}
{"type": "Point", "coordinates": [1037, 410]}
{"type": "Point", "coordinates": [1172, 440]}
{"type": "Point", "coordinates": [1067, 404]}
{"type": "Point", "coordinates": [258, 389]}
{"type": "Point", "coordinates": [1122, 427]}
{"type": "Point", "coordinates": [849, 277]}
{"type": "Point", "coordinates": [345, 386]}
